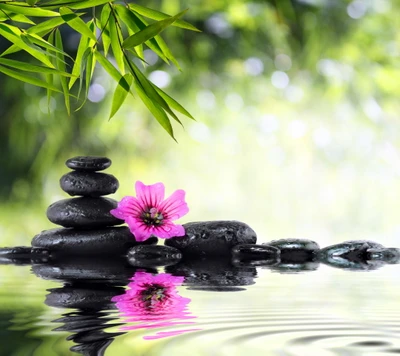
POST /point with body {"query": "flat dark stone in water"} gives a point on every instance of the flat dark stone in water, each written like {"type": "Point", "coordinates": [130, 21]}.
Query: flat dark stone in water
{"type": "Point", "coordinates": [212, 273]}
{"type": "Point", "coordinates": [295, 250]}
{"type": "Point", "coordinates": [387, 255]}
{"type": "Point", "coordinates": [88, 163]}
{"type": "Point", "coordinates": [212, 238]}
{"type": "Point", "coordinates": [255, 252]}
{"type": "Point", "coordinates": [83, 269]}
{"type": "Point", "coordinates": [107, 241]}
{"type": "Point", "coordinates": [353, 250]}
{"type": "Point", "coordinates": [89, 184]}
{"type": "Point", "coordinates": [22, 255]}
{"type": "Point", "coordinates": [87, 298]}
{"type": "Point", "coordinates": [84, 213]}
{"type": "Point", "coordinates": [153, 256]}
{"type": "Point", "coordinates": [293, 267]}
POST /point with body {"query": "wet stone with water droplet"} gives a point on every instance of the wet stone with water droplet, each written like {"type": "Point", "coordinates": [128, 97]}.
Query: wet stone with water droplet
{"type": "Point", "coordinates": [212, 238]}
{"type": "Point", "coordinates": [295, 250]}
{"type": "Point", "coordinates": [351, 255]}
{"type": "Point", "coordinates": [107, 241]}
{"type": "Point", "coordinates": [153, 256]}
{"type": "Point", "coordinates": [88, 163]}
{"type": "Point", "coordinates": [89, 184]}
{"type": "Point", "coordinates": [255, 252]}
{"type": "Point", "coordinates": [387, 255]}
{"type": "Point", "coordinates": [83, 212]}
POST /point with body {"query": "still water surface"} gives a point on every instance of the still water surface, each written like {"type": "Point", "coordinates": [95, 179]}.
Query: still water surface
{"type": "Point", "coordinates": [67, 309]}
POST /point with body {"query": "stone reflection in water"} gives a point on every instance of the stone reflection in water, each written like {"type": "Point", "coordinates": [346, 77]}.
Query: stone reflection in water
{"type": "Point", "coordinates": [214, 274]}
{"type": "Point", "coordinates": [90, 285]}
{"type": "Point", "coordinates": [152, 301]}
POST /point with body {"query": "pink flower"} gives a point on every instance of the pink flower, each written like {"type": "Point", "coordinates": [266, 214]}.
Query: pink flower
{"type": "Point", "coordinates": [152, 301]}
{"type": "Point", "coordinates": [149, 214]}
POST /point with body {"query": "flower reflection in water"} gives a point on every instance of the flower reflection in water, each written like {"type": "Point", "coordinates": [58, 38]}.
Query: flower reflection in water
{"type": "Point", "coordinates": [152, 301]}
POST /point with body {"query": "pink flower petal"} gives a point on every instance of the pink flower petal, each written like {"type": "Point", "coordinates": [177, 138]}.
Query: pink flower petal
{"type": "Point", "coordinates": [174, 206]}
{"type": "Point", "coordinates": [140, 230]}
{"type": "Point", "coordinates": [128, 206]}
{"type": "Point", "coordinates": [150, 195]}
{"type": "Point", "coordinates": [169, 230]}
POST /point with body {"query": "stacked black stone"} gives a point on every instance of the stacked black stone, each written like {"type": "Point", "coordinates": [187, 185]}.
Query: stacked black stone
{"type": "Point", "coordinates": [88, 226]}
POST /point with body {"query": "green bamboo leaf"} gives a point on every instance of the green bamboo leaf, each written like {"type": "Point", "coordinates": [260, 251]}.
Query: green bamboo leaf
{"type": "Point", "coordinates": [74, 4]}
{"type": "Point", "coordinates": [49, 77]}
{"type": "Point", "coordinates": [34, 38]}
{"type": "Point", "coordinates": [155, 109]}
{"type": "Point", "coordinates": [25, 9]}
{"type": "Point", "coordinates": [90, 64]}
{"type": "Point", "coordinates": [31, 2]}
{"type": "Point", "coordinates": [15, 18]}
{"type": "Point", "coordinates": [82, 77]}
{"type": "Point", "coordinates": [150, 31]}
{"type": "Point", "coordinates": [148, 87]}
{"type": "Point", "coordinates": [13, 34]}
{"type": "Point", "coordinates": [27, 78]}
{"type": "Point", "coordinates": [128, 19]}
{"type": "Point", "coordinates": [157, 15]}
{"type": "Point", "coordinates": [151, 43]}
{"type": "Point", "coordinates": [61, 66]}
{"type": "Point", "coordinates": [27, 67]}
{"type": "Point", "coordinates": [116, 37]}
{"type": "Point", "coordinates": [121, 91]}
{"type": "Point", "coordinates": [76, 69]}
{"type": "Point", "coordinates": [173, 103]}
{"type": "Point", "coordinates": [108, 66]}
{"type": "Point", "coordinates": [76, 23]}
{"type": "Point", "coordinates": [105, 32]}
{"type": "Point", "coordinates": [164, 48]}
{"type": "Point", "coordinates": [46, 26]}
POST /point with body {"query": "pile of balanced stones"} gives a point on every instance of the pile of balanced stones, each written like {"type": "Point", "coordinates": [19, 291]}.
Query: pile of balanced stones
{"type": "Point", "coordinates": [88, 229]}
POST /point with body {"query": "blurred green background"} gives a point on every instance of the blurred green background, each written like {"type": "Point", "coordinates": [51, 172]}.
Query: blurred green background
{"type": "Point", "coordinates": [297, 130]}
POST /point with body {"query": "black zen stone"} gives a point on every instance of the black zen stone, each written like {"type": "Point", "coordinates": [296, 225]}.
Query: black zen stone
{"type": "Point", "coordinates": [351, 255]}
{"type": "Point", "coordinates": [212, 238]}
{"type": "Point", "coordinates": [255, 252]}
{"type": "Point", "coordinates": [295, 250]}
{"type": "Point", "coordinates": [107, 241]}
{"type": "Point", "coordinates": [22, 255]}
{"type": "Point", "coordinates": [83, 269]}
{"type": "Point", "coordinates": [83, 212]}
{"type": "Point", "coordinates": [89, 184]}
{"type": "Point", "coordinates": [387, 255]}
{"type": "Point", "coordinates": [293, 267]}
{"type": "Point", "coordinates": [153, 256]}
{"type": "Point", "coordinates": [213, 274]}
{"type": "Point", "coordinates": [88, 163]}
{"type": "Point", "coordinates": [354, 250]}
{"type": "Point", "coordinates": [87, 298]}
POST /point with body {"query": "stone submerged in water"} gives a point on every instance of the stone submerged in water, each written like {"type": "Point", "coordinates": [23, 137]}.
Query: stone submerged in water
{"type": "Point", "coordinates": [90, 184]}
{"type": "Point", "coordinates": [107, 241]}
{"type": "Point", "coordinates": [387, 255]}
{"type": "Point", "coordinates": [83, 212]}
{"type": "Point", "coordinates": [88, 163]}
{"type": "Point", "coordinates": [153, 256]}
{"type": "Point", "coordinates": [351, 255]}
{"type": "Point", "coordinates": [212, 238]}
{"type": "Point", "coordinates": [295, 250]}
{"type": "Point", "coordinates": [255, 252]}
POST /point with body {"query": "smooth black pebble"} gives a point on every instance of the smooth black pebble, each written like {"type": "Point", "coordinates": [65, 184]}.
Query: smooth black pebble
{"type": "Point", "coordinates": [84, 213]}
{"type": "Point", "coordinates": [107, 241]}
{"type": "Point", "coordinates": [90, 184]}
{"type": "Point", "coordinates": [88, 163]}
{"type": "Point", "coordinates": [212, 238]}
{"type": "Point", "coordinates": [295, 250]}
{"type": "Point", "coordinates": [157, 255]}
